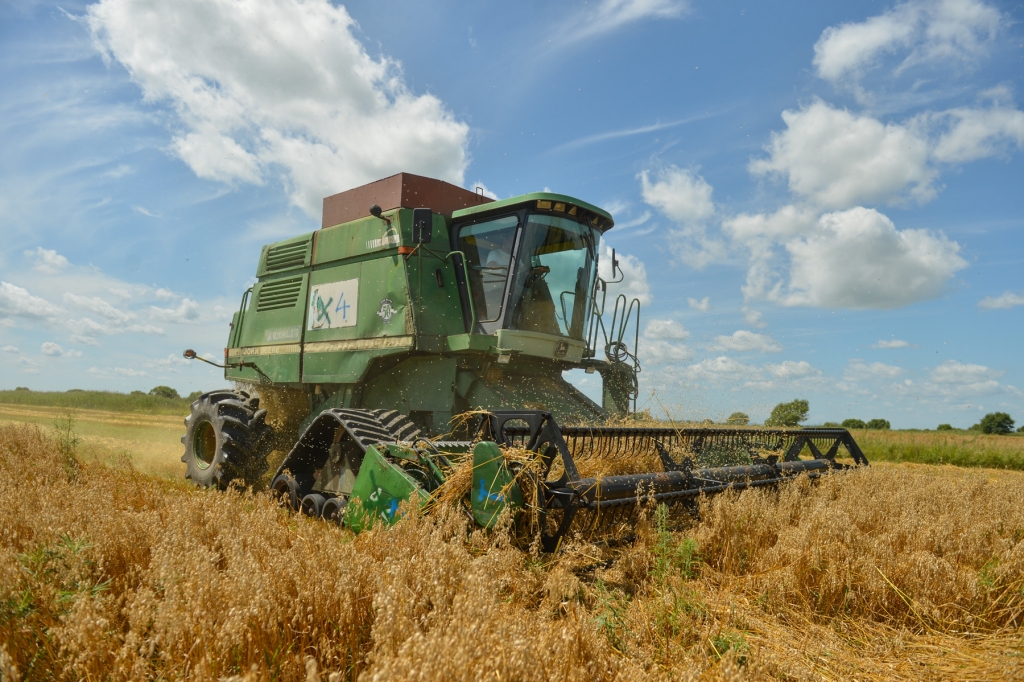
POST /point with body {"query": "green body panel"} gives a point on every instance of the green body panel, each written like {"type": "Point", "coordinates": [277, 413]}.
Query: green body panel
{"type": "Point", "coordinates": [341, 314]}
{"type": "Point", "coordinates": [494, 488]}
{"type": "Point", "coordinates": [418, 384]}
{"type": "Point", "coordinates": [268, 332]}
{"type": "Point", "coordinates": [380, 488]}
{"type": "Point", "coordinates": [278, 368]}
{"type": "Point", "coordinates": [344, 367]}
{"type": "Point", "coordinates": [540, 345]}
{"type": "Point", "coordinates": [480, 342]}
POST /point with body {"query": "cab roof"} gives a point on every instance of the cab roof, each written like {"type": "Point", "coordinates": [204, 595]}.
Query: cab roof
{"type": "Point", "coordinates": [548, 202]}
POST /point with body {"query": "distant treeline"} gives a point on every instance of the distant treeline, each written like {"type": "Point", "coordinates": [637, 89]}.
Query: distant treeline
{"type": "Point", "coordinates": [137, 401]}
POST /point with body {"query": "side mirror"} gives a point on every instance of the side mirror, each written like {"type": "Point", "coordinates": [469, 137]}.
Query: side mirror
{"type": "Point", "coordinates": [422, 225]}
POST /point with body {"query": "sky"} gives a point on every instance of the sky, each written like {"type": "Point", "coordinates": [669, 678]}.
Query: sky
{"type": "Point", "coordinates": [812, 200]}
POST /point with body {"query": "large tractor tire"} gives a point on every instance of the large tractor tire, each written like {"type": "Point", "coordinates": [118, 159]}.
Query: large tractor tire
{"type": "Point", "coordinates": [226, 440]}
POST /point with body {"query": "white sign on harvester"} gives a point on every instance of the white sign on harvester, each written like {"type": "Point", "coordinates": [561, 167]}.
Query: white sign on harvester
{"type": "Point", "coordinates": [333, 304]}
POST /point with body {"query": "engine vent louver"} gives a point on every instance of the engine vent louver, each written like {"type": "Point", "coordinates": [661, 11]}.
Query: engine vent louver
{"type": "Point", "coordinates": [286, 256]}
{"type": "Point", "coordinates": [281, 293]}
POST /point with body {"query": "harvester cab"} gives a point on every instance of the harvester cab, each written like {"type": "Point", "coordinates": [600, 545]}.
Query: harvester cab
{"type": "Point", "coordinates": [420, 296]}
{"type": "Point", "coordinates": [416, 302]}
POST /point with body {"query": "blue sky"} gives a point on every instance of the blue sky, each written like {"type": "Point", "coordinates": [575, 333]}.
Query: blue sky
{"type": "Point", "coordinates": [821, 200]}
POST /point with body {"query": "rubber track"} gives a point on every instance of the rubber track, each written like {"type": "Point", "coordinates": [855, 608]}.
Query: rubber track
{"type": "Point", "coordinates": [369, 427]}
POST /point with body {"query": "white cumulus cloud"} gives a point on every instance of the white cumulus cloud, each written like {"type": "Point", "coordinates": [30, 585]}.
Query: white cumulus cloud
{"type": "Point", "coordinates": [187, 311]}
{"type": "Point", "coordinates": [10, 349]}
{"type": "Point", "coordinates": [52, 349]}
{"type": "Point", "coordinates": [838, 159]}
{"type": "Point", "coordinates": [789, 221]}
{"type": "Point", "coordinates": [1007, 299]}
{"type": "Point", "coordinates": [680, 194]}
{"type": "Point", "coordinates": [858, 259]}
{"type": "Point", "coordinates": [56, 351]}
{"type": "Point", "coordinates": [267, 86]}
{"type": "Point", "coordinates": [46, 261]}
{"type": "Point", "coordinates": [753, 317]}
{"type": "Point", "coordinates": [721, 368]}
{"type": "Point", "coordinates": [16, 301]}
{"type": "Point", "coordinates": [915, 32]}
{"type": "Point", "coordinates": [858, 370]}
{"type": "Point", "coordinates": [959, 380]}
{"type": "Point", "coordinates": [97, 305]}
{"type": "Point", "coordinates": [953, 372]}
{"type": "Point", "coordinates": [702, 305]}
{"type": "Point", "coordinates": [666, 329]}
{"type": "Point", "coordinates": [891, 343]}
{"type": "Point", "coordinates": [659, 352]}
{"type": "Point", "coordinates": [789, 370]}
{"type": "Point", "coordinates": [976, 133]}
{"type": "Point", "coordinates": [685, 198]}
{"type": "Point", "coordinates": [743, 341]}
{"type": "Point", "coordinates": [662, 342]}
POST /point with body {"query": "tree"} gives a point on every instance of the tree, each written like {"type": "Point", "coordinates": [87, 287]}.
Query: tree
{"type": "Point", "coordinates": [194, 395]}
{"type": "Point", "coordinates": [944, 427]}
{"type": "Point", "coordinates": [831, 425]}
{"type": "Point", "coordinates": [738, 418]}
{"type": "Point", "coordinates": [788, 414]}
{"type": "Point", "coordinates": [164, 392]}
{"type": "Point", "coordinates": [996, 422]}
{"type": "Point", "coordinates": [854, 424]}
{"type": "Point", "coordinates": [881, 424]}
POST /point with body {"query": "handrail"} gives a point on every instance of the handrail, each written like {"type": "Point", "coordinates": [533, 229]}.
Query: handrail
{"type": "Point", "coordinates": [595, 320]}
{"type": "Point", "coordinates": [627, 314]}
{"type": "Point", "coordinates": [469, 290]}
{"type": "Point", "coordinates": [237, 331]}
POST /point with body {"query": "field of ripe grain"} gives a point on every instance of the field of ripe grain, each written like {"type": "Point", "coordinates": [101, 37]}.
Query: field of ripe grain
{"type": "Point", "coordinates": [960, 448]}
{"type": "Point", "coordinates": [893, 572]}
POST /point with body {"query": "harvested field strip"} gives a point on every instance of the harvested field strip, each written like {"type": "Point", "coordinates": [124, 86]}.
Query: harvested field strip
{"type": "Point", "coordinates": [894, 572]}
{"type": "Point", "coordinates": [152, 441]}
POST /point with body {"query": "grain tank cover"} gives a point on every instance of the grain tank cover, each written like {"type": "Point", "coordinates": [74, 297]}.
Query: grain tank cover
{"type": "Point", "coordinates": [403, 190]}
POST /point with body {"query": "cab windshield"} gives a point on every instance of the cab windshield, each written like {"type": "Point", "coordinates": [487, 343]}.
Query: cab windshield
{"type": "Point", "coordinates": [554, 276]}
{"type": "Point", "coordinates": [536, 276]}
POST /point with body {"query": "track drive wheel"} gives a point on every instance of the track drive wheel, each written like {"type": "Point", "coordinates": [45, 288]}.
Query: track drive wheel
{"type": "Point", "coordinates": [312, 505]}
{"type": "Point", "coordinates": [333, 510]}
{"type": "Point", "coordinates": [286, 491]}
{"type": "Point", "coordinates": [226, 439]}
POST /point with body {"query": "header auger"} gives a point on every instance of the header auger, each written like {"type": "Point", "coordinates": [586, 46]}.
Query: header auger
{"type": "Point", "coordinates": [418, 301]}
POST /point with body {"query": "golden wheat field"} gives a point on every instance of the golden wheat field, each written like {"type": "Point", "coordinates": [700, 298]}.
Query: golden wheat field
{"type": "Point", "coordinates": [892, 572]}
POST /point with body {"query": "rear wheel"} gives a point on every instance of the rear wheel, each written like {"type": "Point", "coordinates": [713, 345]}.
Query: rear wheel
{"type": "Point", "coordinates": [226, 439]}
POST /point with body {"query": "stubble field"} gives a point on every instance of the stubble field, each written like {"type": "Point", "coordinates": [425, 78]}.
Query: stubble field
{"type": "Point", "coordinates": [112, 568]}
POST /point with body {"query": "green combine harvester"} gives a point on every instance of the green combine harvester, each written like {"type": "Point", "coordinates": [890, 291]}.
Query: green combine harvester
{"type": "Point", "coordinates": [425, 326]}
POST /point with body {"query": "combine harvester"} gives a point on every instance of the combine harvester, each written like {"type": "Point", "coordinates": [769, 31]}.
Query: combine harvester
{"type": "Point", "coordinates": [418, 301]}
